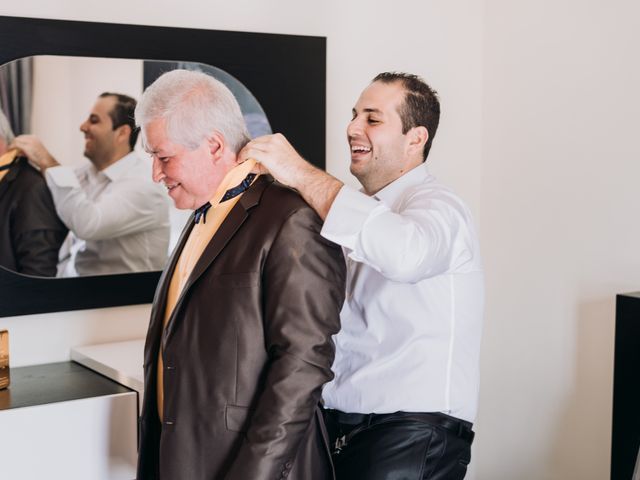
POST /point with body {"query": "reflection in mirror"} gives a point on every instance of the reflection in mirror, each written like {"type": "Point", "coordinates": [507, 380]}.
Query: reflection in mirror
{"type": "Point", "coordinates": [101, 189]}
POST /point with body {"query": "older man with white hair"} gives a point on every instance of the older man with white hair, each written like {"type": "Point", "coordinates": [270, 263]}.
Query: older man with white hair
{"type": "Point", "coordinates": [239, 343]}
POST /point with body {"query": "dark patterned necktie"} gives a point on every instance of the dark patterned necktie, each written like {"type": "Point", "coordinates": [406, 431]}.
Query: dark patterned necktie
{"type": "Point", "coordinates": [201, 213]}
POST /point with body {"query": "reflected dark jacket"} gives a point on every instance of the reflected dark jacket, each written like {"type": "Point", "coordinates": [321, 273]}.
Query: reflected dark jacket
{"type": "Point", "coordinates": [247, 349]}
{"type": "Point", "coordinates": [30, 231]}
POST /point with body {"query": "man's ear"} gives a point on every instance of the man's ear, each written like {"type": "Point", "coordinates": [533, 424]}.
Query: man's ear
{"type": "Point", "coordinates": [216, 145]}
{"type": "Point", "coordinates": [123, 133]}
{"type": "Point", "coordinates": [417, 137]}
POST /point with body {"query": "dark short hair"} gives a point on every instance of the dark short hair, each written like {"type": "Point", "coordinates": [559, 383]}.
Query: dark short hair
{"type": "Point", "coordinates": [123, 114]}
{"type": "Point", "coordinates": [421, 106]}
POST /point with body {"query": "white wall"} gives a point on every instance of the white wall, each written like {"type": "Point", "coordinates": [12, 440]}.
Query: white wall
{"type": "Point", "coordinates": [560, 235]}
{"type": "Point", "coordinates": [539, 101]}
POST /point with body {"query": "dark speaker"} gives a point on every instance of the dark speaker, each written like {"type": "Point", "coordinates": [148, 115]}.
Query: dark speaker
{"type": "Point", "coordinates": [626, 388]}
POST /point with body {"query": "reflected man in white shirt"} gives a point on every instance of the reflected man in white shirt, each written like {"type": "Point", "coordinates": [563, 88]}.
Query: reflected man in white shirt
{"type": "Point", "coordinates": [118, 218]}
{"type": "Point", "coordinates": [405, 392]}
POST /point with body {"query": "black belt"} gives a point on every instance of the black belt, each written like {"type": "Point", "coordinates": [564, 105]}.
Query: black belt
{"type": "Point", "coordinates": [360, 421]}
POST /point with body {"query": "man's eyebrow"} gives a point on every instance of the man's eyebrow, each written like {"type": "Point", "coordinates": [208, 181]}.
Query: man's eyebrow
{"type": "Point", "coordinates": [367, 110]}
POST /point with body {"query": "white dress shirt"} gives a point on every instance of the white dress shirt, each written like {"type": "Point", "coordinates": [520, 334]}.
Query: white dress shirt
{"type": "Point", "coordinates": [118, 217]}
{"type": "Point", "coordinates": [412, 317]}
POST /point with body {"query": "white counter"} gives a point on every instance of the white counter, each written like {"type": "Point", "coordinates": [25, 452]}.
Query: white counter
{"type": "Point", "coordinates": [119, 361]}
{"type": "Point", "coordinates": [62, 421]}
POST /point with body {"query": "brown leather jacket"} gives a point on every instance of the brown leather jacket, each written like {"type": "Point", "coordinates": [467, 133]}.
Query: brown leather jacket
{"type": "Point", "coordinates": [247, 349]}
{"type": "Point", "coordinates": [30, 231]}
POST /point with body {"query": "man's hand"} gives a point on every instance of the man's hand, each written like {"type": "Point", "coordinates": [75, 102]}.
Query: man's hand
{"type": "Point", "coordinates": [33, 149]}
{"type": "Point", "coordinates": [275, 154]}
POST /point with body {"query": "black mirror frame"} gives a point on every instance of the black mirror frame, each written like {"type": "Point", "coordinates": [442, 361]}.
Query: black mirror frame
{"type": "Point", "coordinates": [285, 73]}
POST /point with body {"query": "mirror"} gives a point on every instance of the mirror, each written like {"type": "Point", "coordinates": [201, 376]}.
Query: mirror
{"type": "Point", "coordinates": [71, 85]}
{"type": "Point", "coordinates": [284, 74]}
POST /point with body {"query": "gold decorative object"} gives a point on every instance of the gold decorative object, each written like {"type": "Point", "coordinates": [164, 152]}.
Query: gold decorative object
{"type": "Point", "coordinates": [4, 359]}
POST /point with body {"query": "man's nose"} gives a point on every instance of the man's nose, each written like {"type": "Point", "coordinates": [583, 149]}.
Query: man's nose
{"type": "Point", "coordinates": [156, 170]}
{"type": "Point", "coordinates": [83, 127]}
{"type": "Point", "coordinates": [354, 128]}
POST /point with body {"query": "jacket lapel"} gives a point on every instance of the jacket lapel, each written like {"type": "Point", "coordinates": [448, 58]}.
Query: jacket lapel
{"type": "Point", "coordinates": [160, 297]}
{"type": "Point", "coordinates": [236, 217]}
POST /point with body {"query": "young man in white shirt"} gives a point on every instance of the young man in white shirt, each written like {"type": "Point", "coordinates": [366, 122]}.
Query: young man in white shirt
{"type": "Point", "coordinates": [118, 217]}
{"type": "Point", "coordinates": [405, 392]}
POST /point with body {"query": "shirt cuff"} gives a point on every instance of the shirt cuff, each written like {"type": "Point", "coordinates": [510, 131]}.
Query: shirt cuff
{"type": "Point", "coordinates": [61, 176]}
{"type": "Point", "coordinates": [347, 216]}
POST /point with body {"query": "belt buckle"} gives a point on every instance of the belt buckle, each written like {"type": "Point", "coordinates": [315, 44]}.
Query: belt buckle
{"type": "Point", "coordinates": [339, 444]}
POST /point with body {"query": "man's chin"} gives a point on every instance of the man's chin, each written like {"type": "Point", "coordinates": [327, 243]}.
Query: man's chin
{"type": "Point", "coordinates": [179, 201]}
{"type": "Point", "coordinates": [356, 169]}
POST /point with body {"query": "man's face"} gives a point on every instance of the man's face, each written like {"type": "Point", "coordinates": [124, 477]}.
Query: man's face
{"type": "Point", "coordinates": [100, 138]}
{"type": "Point", "coordinates": [191, 176]}
{"type": "Point", "coordinates": [378, 146]}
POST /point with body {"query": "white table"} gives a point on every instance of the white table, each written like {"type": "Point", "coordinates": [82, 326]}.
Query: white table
{"type": "Point", "coordinates": [62, 421]}
{"type": "Point", "coordinates": [119, 361]}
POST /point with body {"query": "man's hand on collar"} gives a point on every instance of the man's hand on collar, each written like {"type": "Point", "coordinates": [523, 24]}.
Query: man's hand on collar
{"type": "Point", "coordinates": [32, 148]}
{"type": "Point", "coordinates": [275, 154]}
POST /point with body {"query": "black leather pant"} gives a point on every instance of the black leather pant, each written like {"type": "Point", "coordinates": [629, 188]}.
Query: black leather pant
{"type": "Point", "coordinates": [398, 446]}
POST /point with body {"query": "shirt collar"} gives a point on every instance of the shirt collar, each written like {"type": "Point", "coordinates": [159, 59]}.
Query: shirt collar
{"type": "Point", "coordinates": [8, 157]}
{"type": "Point", "coordinates": [233, 177]}
{"type": "Point", "coordinates": [392, 192]}
{"type": "Point", "coordinates": [116, 170]}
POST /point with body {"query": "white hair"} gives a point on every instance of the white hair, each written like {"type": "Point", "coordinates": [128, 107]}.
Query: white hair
{"type": "Point", "coordinates": [6, 133]}
{"type": "Point", "coordinates": [193, 105]}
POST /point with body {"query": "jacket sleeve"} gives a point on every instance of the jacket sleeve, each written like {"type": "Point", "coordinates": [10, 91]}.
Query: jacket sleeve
{"type": "Point", "coordinates": [303, 290]}
{"type": "Point", "coordinates": [38, 232]}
